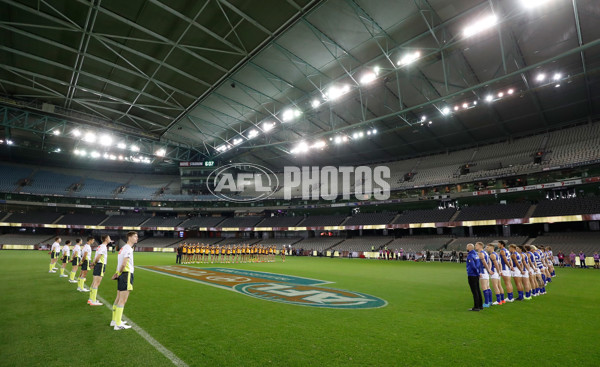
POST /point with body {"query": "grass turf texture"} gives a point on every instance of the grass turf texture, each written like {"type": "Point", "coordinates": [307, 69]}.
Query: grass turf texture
{"type": "Point", "coordinates": [45, 322]}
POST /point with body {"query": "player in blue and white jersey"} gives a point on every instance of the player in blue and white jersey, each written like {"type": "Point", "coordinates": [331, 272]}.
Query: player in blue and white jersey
{"type": "Point", "coordinates": [484, 277]}
{"type": "Point", "coordinates": [507, 268]}
{"type": "Point", "coordinates": [495, 277]}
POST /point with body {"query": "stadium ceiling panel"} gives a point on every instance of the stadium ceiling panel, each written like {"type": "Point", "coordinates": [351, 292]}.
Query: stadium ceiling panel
{"type": "Point", "coordinates": [248, 81]}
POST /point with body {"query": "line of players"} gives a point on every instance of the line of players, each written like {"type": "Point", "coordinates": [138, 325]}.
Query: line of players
{"type": "Point", "coordinates": [230, 254]}
{"type": "Point", "coordinates": [530, 267]}
{"type": "Point", "coordinates": [81, 257]}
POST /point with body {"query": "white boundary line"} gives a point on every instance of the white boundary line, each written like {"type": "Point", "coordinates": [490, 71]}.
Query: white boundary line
{"type": "Point", "coordinates": [161, 348]}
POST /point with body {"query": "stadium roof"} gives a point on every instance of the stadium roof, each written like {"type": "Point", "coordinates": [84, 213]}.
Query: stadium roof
{"type": "Point", "coordinates": [290, 82]}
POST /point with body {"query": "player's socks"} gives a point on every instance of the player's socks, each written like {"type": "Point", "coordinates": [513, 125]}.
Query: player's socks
{"type": "Point", "coordinates": [114, 311]}
{"type": "Point", "coordinates": [62, 271]}
{"type": "Point", "coordinates": [72, 276]}
{"type": "Point", "coordinates": [520, 294]}
{"type": "Point", "coordinates": [544, 278]}
{"type": "Point", "coordinates": [510, 295]}
{"type": "Point", "coordinates": [498, 298]}
{"type": "Point", "coordinates": [118, 314]}
{"type": "Point", "coordinates": [93, 293]}
{"type": "Point", "coordinates": [50, 268]}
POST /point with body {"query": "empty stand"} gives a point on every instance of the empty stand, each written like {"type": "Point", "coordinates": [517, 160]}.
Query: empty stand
{"type": "Point", "coordinates": [498, 211]}
{"type": "Point", "coordinates": [419, 243]}
{"type": "Point", "coordinates": [588, 242]}
{"type": "Point", "coordinates": [82, 219]}
{"type": "Point", "coordinates": [33, 217]}
{"type": "Point", "coordinates": [26, 239]}
{"type": "Point", "coordinates": [362, 243]}
{"type": "Point", "coordinates": [370, 219]}
{"type": "Point", "coordinates": [125, 220]}
{"type": "Point", "coordinates": [425, 216]}
{"type": "Point", "coordinates": [460, 243]}
{"type": "Point", "coordinates": [240, 222]}
{"type": "Point", "coordinates": [280, 222]}
{"type": "Point", "coordinates": [322, 220]}
{"type": "Point", "coordinates": [550, 208]}
{"type": "Point", "coordinates": [196, 222]}
{"type": "Point", "coordinates": [158, 221]}
{"type": "Point", "coordinates": [318, 243]}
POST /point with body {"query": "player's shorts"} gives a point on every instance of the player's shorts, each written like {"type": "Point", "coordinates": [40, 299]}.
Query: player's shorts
{"type": "Point", "coordinates": [561, 261]}
{"type": "Point", "coordinates": [597, 261]}
{"type": "Point", "coordinates": [538, 271]}
{"type": "Point", "coordinates": [484, 275]}
{"type": "Point", "coordinates": [99, 269]}
{"type": "Point", "coordinates": [85, 265]}
{"type": "Point", "coordinates": [125, 282]}
{"type": "Point", "coordinates": [525, 274]}
{"type": "Point", "coordinates": [76, 261]}
{"type": "Point", "coordinates": [53, 255]}
{"type": "Point", "coordinates": [506, 273]}
{"type": "Point", "coordinates": [515, 273]}
{"type": "Point", "coordinates": [65, 260]}
{"type": "Point", "coordinates": [495, 275]}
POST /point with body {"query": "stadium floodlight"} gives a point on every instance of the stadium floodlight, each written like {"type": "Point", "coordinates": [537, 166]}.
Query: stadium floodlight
{"type": "Point", "coordinates": [368, 77]}
{"type": "Point", "coordinates": [338, 139]}
{"type": "Point", "coordinates": [121, 157]}
{"type": "Point", "coordinates": [540, 77]}
{"type": "Point", "coordinates": [82, 153]}
{"type": "Point", "coordinates": [489, 98]}
{"type": "Point", "coordinates": [319, 144]}
{"type": "Point", "coordinates": [374, 131]}
{"type": "Point", "coordinates": [9, 142]}
{"type": "Point", "coordinates": [557, 85]}
{"type": "Point", "coordinates": [57, 150]}
{"type": "Point", "coordinates": [335, 92]}
{"type": "Point", "coordinates": [135, 148]}
{"type": "Point", "coordinates": [557, 76]}
{"type": "Point", "coordinates": [56, 132]}
{"type": "Point", "coordinates": [95, 154]}
{"type": "Point", "coordinates": [530, 4]}
{"type": "Point", "coordinates": [89, 137]}
{"type": "Point", "coordinates": [345, 139]}
{"type": "Point", "coordinates": [445, 110]}
{"type": "Point", "coordinates": [465, 105]}
{"type": "Point", "coordinates": [121, 145]}
{"type": "Point", "coordinates": [474, 103]}
{"type": "Point", "coordinates": [161, 152]}
{"type": "Point", "coordinates": [315, 103]}
{"type": "Point", "coordinates": [222, 148]}
{"type": "Point", "coordinates": [501, 94]}
{"type": "Point", "coordinates": [1, 141]}
{"type": "Point", "coordinates": [355, 136]}
{"type": "Point", "coordinates": [290, 114]}
{"type": "Point", "coordinates": [237, 141]}
{"type": "Point", "coordinates": [105, 140]}
{"type": "Point", "coordinates": [268, 126]}
{"type": "Point", "coordinates": [112, 157]}
{"type": "Point", "coordinates": [76, 151]}
{"type": "Point", "coordinates": [361, 134]}
{"type": "Point", "coordinates": [76, 133]}
{"type": "Point", "coordinates": [510, 91]}
{"type": "Point", "coordinates": [252, 134]}
{"type": "Point", "coordinates": [409, 58]}
{"type": "Point", "coordinates": [369, 132]}
{"type": "Point", "coordinates": [430, 122]}
{"type": "Point", "coordinates": [105, 155]}
{"type": "Point", "coordinates": [376, 70]}
{"type": "Point", "coordinates": [423, 118]}
{"type": "Point", "coordinates": [456, 108]}
{"type": "Point", "coordinates": [480, 25]}
{"type": "Point", "coordinates": [302, 147]}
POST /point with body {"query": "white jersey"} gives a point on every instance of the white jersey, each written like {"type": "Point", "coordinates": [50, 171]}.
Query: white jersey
{"type": "Point", "coordinates": [87, 250]}
{"type": "Point", "coordinates": [66, 251]}
{"type": "Point", "coordinates": [126, 252]}
{"type": "Point", "coordinates": [77, 251]}
{"type": "Point", "coordinates": [101, 250]}
{"type": "Point", "coordinates": [55, 247]}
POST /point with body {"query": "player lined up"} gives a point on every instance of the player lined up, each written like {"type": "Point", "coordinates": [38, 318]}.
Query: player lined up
{"type": "Point", "coordinates": [83, 257]}
{"type": "Point", "coordinates": [530, 267]}
{"type": "Point", "coordinates": [226, 254]}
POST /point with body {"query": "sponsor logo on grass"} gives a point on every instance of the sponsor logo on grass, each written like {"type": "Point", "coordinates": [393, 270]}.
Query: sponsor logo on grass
{"type": "Point", "coordinates": [275, 287]}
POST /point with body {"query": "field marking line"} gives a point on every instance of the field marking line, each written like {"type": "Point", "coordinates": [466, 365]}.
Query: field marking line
{"type": "Point", "coordinates": [144, 334]}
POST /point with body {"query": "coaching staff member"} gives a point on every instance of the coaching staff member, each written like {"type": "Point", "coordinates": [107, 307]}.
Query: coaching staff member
{"type": "Point", "coordinates": [179, 253]}
{"type": "Point", "coordinates": [473, 271]}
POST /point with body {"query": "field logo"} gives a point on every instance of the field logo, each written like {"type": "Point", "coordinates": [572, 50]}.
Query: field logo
{"type": "Point", "coordinates": [275, 287]}
{"type": "Point", "coordinates": [242, 182]}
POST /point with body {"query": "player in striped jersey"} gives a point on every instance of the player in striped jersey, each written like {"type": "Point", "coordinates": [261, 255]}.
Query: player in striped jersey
{"type": "Point", "coordinates": [99, 266]}
{"type": "Point", "coordinates": [486, 271]}
{"type": "Point", "coordinates": [495, 277]}
{"type": "Point", "coordinates": [507, 269]}
{"type": "Point", "coordinates": [517, 273]}
{"type": "Point", "coordinates": [550, 257]}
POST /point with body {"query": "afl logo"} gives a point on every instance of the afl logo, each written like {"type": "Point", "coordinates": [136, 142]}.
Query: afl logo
{"type": "Point", "coordinates": [309, 296]}
{"type": "Point", "coordinates": [242, 182]}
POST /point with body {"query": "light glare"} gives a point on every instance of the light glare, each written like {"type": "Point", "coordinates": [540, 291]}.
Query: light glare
{"type": "Point", "coordinates": [480, 25]}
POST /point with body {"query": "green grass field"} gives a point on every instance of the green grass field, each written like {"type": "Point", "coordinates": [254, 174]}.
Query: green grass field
{"type": "Point", "coordinates": [45, 322]}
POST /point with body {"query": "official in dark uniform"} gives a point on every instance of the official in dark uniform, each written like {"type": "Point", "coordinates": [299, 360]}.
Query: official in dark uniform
{"type": "Point", "coordinates": [179, 253]}
{"type": "Point", "coordinates": [473, 271]}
